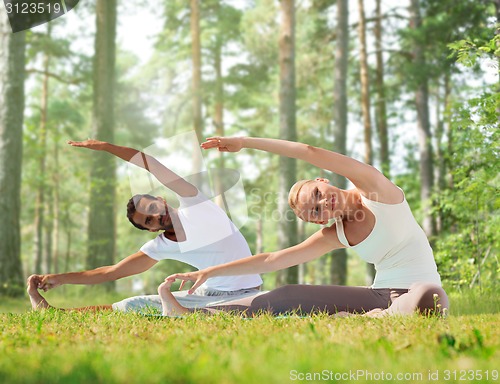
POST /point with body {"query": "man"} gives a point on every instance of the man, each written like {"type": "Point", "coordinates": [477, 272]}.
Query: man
{"type": "Point", "coordinates": [198, 233]}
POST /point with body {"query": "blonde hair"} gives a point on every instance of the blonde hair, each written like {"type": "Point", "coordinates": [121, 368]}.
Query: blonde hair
{"type": "Point", "coordinates": [293, 196]}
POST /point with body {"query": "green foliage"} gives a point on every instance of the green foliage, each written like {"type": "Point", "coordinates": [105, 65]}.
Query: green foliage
{"type": "Point", "coordinates": [467, 251]}
{"type": "Point", "coordinates": [468, 52]}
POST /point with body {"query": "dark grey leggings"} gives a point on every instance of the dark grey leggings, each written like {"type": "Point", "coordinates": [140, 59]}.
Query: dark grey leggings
{"type": "Point", "coordinates": [307, 299]}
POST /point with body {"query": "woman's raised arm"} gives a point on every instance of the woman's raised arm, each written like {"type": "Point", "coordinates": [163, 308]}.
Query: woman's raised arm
{"type": "Point", "coordinates": [365, 177]}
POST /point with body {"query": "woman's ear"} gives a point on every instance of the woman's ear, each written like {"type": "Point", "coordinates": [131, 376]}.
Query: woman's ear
{"type": "Point", "coordinates": [322, 180]}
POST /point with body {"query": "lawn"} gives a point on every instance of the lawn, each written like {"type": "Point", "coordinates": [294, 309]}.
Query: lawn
{"type": "Point", "coordinates": [73, 347]}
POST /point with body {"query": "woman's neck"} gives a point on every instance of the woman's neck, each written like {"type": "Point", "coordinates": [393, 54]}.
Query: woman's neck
{"type": "Point", "coordinates": [352, 204]}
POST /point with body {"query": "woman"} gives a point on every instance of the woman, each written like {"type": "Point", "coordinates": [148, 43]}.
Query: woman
{"type": "Point", "coordinates": [373, 218]}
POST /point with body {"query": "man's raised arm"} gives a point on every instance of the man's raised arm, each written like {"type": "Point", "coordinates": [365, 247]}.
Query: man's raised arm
{"type": "Point", "coordinates": [164, 175]}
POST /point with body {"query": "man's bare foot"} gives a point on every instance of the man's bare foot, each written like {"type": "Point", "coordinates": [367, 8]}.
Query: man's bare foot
{"type": "Point", "coordinates": [170, 305]}
{"type": "Point", "coordinates": [37, 300]}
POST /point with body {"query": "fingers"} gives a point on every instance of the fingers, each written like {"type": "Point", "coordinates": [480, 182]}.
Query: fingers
{"type": "Point", "coordinates": [195, 287]}
{"type": "Point", "coordinates": [212, 142]}
{"type": "Point", "coordinates": [186, 277]}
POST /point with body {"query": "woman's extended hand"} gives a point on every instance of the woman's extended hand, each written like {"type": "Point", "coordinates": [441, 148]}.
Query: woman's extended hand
{"type": "Point", "coordinates": [224, 144]}
{"type": "Point", "coordinates": [90, 144]}
{"type": "Point", "coordinates": [199, 277]}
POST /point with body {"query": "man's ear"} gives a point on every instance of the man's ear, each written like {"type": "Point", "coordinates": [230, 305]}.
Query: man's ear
{"type": "Point", "coordinates": [322, 180]}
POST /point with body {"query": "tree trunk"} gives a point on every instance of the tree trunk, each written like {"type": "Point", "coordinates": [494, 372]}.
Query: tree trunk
{"type": "Point", "coordinates": [48, 234]}
{"type": "Point", "coordinates": [423, 125]}
{"type": "Point", "coordinates": [196, 57]}
{"type": "Point", "coordinates": [441, 113]}
{"type": "Point", "coordinates": [338, 271]}
{"type": "Point", "coordinates": [381, 113]}
{"type": "Point", "coordinates": [101, 231]}
{"type": "Point", "coordinates": [56, 206]}
{"type": "Point", "coordinates": [12, 59]}
{"type": "Point", "coordinates": [365, 85]}
{"type": "Point", "coordinates": [497, 32]}
{"type": "Point", "coordinates": [365, 107]}
{"type": "Point", "coordinates": [219, 109]}
{"type": "Point", "coordinates": [42, 157]}
{"type": "Point", "coordinates": [287, 227]}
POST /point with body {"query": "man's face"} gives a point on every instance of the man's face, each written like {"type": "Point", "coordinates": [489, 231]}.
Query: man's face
{"type": "Point", "coordinates": [152, 214]}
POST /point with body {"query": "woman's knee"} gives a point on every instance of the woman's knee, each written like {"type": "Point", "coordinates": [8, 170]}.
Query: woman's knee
{"type": "Point", "coordinates": [431, 298]}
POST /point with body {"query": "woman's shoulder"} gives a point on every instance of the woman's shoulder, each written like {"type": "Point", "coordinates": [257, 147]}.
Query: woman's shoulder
{"type": "Point", "coordinates": [384, 191]}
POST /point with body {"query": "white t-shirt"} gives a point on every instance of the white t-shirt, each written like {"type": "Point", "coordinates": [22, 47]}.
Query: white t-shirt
{"type": "Point", "coordinates": [397, 246]}
{"type": "Point", "coordinates": [211, 239]}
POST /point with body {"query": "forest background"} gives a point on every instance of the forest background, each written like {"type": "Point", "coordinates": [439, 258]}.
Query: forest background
{"type": "Point", "coordinates": [411, 87]}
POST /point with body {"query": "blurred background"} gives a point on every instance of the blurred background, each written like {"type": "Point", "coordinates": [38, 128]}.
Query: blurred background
{"type": "Point", "coordinates": [409, 86]}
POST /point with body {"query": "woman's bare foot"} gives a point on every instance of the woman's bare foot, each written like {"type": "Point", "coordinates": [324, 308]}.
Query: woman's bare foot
{"type": "Point", "coordinates": [344, 314]}
{"type": "Point", "coordinates": [37, 300]}
{"type": "Point", "coordinates": [377, 312]}
{"type": "Point", "coordinates": [170, 305]}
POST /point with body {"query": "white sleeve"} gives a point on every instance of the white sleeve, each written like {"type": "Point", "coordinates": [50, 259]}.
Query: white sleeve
{"type": "Point", "coordinates": [157, 248]}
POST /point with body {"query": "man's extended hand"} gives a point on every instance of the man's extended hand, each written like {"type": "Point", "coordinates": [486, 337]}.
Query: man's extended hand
{"type": "Point", "coordinates": [90, 144]}
{"type": "Point", "coordinates": [44, 282]}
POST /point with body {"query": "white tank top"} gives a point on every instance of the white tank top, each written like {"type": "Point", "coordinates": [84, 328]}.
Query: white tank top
{"type": "Point", "coordinates": [397, 246]}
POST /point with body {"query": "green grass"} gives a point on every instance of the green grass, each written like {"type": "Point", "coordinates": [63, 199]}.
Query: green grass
{"type": "Point", "coordinates": [71, 347]}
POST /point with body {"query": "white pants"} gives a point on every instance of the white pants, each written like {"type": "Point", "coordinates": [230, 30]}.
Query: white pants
{"type": "Point", "coordinates": [201, 298]}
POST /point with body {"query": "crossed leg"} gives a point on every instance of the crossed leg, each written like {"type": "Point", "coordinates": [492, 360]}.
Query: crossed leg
{"type": "Point", "coordinates": [424, 298]}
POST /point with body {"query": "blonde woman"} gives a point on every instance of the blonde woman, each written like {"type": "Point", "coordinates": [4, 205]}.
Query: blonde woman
{"type": "Point", "coordinates": [373, 218]}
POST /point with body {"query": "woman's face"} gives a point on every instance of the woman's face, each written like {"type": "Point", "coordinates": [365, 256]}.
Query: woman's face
{"type": "Point", "coordinates": [318, 202]}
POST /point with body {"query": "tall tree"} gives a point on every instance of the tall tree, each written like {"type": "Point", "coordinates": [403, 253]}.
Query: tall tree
{"type": "Point", "coordinates": [196, 59]}
{"type": "Point", "coordinates": [12, 60]}
{"type": "Point", "coordinates": [365, 106]}
{"type": "Point", "coordinates": [287, 228]}
{"type": "Point", "coordinates": [380, 104]}
{"type": "Point", "coordinates": [42, 159]}
{"type": "Point", "coordinates": [101, 229]}
{"type": "Point", "coordinates": [338, 271]}
{"type": "Point", "coordinates": [365, 84]}
{"type": "Point", "coordinates": [423, 123]}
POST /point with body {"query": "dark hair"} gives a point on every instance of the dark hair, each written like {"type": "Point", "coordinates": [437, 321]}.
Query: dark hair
{"type": "Point", "coordinates": [131, 208]}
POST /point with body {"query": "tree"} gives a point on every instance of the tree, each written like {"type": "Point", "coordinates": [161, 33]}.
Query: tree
{"type": "Point", "coordinates": [365, 84]}
{"type": "Point", "coordinates": [12, 60]}
{"type": "Point", "coordinates": [101, 229]}
{"type": "Point", "coordinates": [287, 228]}
{"type": "Point", "coordinates": [42, 155]}
{"type": "Point", "coordinates": [365, 105]}
{"type": "Point", "coordinates": [423, 124]}
{"type": "Point", "coordinates": [339, 257]}
{"type": "Point", "coordinates": [380, 103]}
{"type": "Point", "coordinates": [196, 59]}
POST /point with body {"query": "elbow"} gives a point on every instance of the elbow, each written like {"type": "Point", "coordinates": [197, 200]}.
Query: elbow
{"type": "Point", "coordinates": [112, 273]}
{"type": "Point", "coordinates": [273, 263]}
{"type": "Point", "coordinates": [309, 152]}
